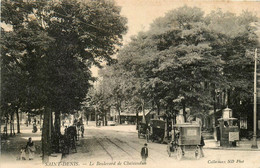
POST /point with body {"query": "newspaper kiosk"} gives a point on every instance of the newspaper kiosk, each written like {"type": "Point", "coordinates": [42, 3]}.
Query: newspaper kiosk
{"type": "Point", "coordinates": [229, 131]}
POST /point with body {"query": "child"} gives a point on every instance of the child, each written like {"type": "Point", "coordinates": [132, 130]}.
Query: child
{"type": "Point", "coordinates": [23, 156]}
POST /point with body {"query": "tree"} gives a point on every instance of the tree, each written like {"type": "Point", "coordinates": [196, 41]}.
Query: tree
{"type": "Point", "coordinates": [60, 40]}
{"type": "Point", "coordinates": [235, 48]}
{"type": "Point", "coordinates": [186, 57]}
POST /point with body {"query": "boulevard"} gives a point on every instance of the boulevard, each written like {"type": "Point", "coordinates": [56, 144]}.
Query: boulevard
{"type": "Point", "coordinates": [112, 146]}
{"type": "Point", "coordinates": [120, 144]}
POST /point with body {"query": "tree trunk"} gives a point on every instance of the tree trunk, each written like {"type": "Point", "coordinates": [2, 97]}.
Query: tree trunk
{"type": "Point", "coordinates": [184, 111]}
{"type": "Point", "coordinates": [51, 132]}
{"type": "Point", "coordinates": [40, 121]}
{"type": "Point", "coordinates": [96, 116]}
{"type": "Point", "coordinates": [51, 125]}
{"type": "Point", "coordinates": [18, 120]}
{"type": "Point", "coordinates": [6, 125]}
{"type": "Point", "coordinates": [106, 118]}
{"type": "Point", "coordinates": [46, 146]}
{"type": "Point", "coordinates": [214, 110]}
{"type": "Point", "coordinates": [167, 128]}
{"type": "Point", "coordinates": [57, 123]}
{"type": "Point", "coordinates": [57, 131]}
{"type": "Point", "coordinates": [21, 117]}
{"type": "Point", "coordinates": [158, 109]}
{"type": "Point", "coordinates": [13, 124]}
{"type": "Point", "coordinates": [103, 119]}
{"type": "Point", "coordinates": [119, 115]}
{"type": "Point", "coordinates": [143, 110]}
{"type": "Point", "coordinates": [11, 129]}
{"type": "Point", "coordinates": [0, 132]}
{"type": "Point", "coordinates": [137, 122]}
{"type": "Point", "coordinates": [87, 118]}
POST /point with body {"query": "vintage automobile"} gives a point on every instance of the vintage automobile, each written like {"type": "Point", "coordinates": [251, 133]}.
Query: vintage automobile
{"type": "Point", "coordinates": [185, 137]}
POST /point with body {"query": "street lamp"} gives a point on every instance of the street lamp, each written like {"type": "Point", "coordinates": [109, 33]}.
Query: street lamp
{"type": "Point", "coordinates": [254, 143]}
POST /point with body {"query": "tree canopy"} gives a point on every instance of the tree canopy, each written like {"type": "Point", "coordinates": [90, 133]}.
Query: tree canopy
{"type": "Point", "coordinates": [187, 56]}
{"type": "Point", "coordinates": [53, 44]}
{"type": "Point", "coordinates": [48, 51]}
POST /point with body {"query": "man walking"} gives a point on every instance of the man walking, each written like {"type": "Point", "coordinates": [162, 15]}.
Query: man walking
{"type": "Point", "coordinates": [144, 153]}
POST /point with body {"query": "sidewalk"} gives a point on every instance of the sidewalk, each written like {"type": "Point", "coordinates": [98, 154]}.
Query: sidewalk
{"type": "Point", "coordinates": [243, 145]}
{"type": "Point", "coordinates": [11, 149]}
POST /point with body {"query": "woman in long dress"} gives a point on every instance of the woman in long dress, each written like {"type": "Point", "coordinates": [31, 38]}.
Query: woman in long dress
{"type": "Point", "coordinates": [30, 148]}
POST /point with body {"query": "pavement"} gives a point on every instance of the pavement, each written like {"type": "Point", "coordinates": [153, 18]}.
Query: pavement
{"type": "Point", "coordinates": [12, 146]}
{"type": "Point", "coordinates": [243, 145]}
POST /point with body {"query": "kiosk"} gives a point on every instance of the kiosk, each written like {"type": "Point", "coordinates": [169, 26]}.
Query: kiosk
{"type": "Point", "coordinates": [229, 131]}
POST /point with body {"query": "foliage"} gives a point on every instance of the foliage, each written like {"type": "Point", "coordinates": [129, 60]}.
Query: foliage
{"type": "Point", "coordinates": [186, 57]}
{"type": "Point", "coordinates": [53, 45]}
{"type": "Point", "coordinates": [49, 49]}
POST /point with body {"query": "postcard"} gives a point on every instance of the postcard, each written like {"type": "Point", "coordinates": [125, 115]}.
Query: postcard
{"type": "Point", "coordinates": [130, 84]}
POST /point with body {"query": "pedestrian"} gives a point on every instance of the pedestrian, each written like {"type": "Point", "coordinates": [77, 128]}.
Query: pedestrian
{"type": "Point", "coordinates": [34, 128]}
{"type": "Point", "coordinates": [144, 153]}
{"type": "Point", "coordinates": [30, 148]}
{"type": "Point", "coordinates": [202, 143]}
{"type": "Point", "coordinates": [29, 120]}
{"type": "Point", "coordinates": [82, 130]}
{"type": "Point", "coordinates": [23, 155]}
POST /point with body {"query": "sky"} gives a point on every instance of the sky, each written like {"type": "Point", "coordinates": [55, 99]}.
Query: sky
{"type": "Point", "coordinates": [141, 13]}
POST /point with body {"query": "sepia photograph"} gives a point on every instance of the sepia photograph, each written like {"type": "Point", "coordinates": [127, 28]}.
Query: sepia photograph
{"type": "Point", "coordinates": [130, 84]}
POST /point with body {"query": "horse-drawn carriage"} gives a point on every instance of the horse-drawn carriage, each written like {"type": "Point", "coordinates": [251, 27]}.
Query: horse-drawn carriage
{"type": "Point", "coordinates": [143, 130]}
{"type": "Point", "coordinates": [185, 137]}
{"type": "Point", "coordinates": [68, 140]}
{"type": "Point", "coordinates": [157, 130]}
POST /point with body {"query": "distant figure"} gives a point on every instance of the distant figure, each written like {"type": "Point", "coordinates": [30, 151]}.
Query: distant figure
{"type": "Point", "coordinates": [82, 130]}
{"type": "Point", "coordinates": [30, 148]}
{"type": "Point", "coordinates": [34, 128]}
{"type": "Point", "coordinates": [144, 153]}
{"type": "Point", "coordinates": [179, 119]}
{"type": "Point", "coordinates": [81, 120]}
{"type": "Point", "coordinates": [202, 143]}
{"type": "Point", "coordinates": [29, 120]}
{"type": "Point", "coordinates": [23, 155]}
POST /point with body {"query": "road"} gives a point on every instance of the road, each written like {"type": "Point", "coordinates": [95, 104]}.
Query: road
{"type": "Point", "coordinates": [119, 146]}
